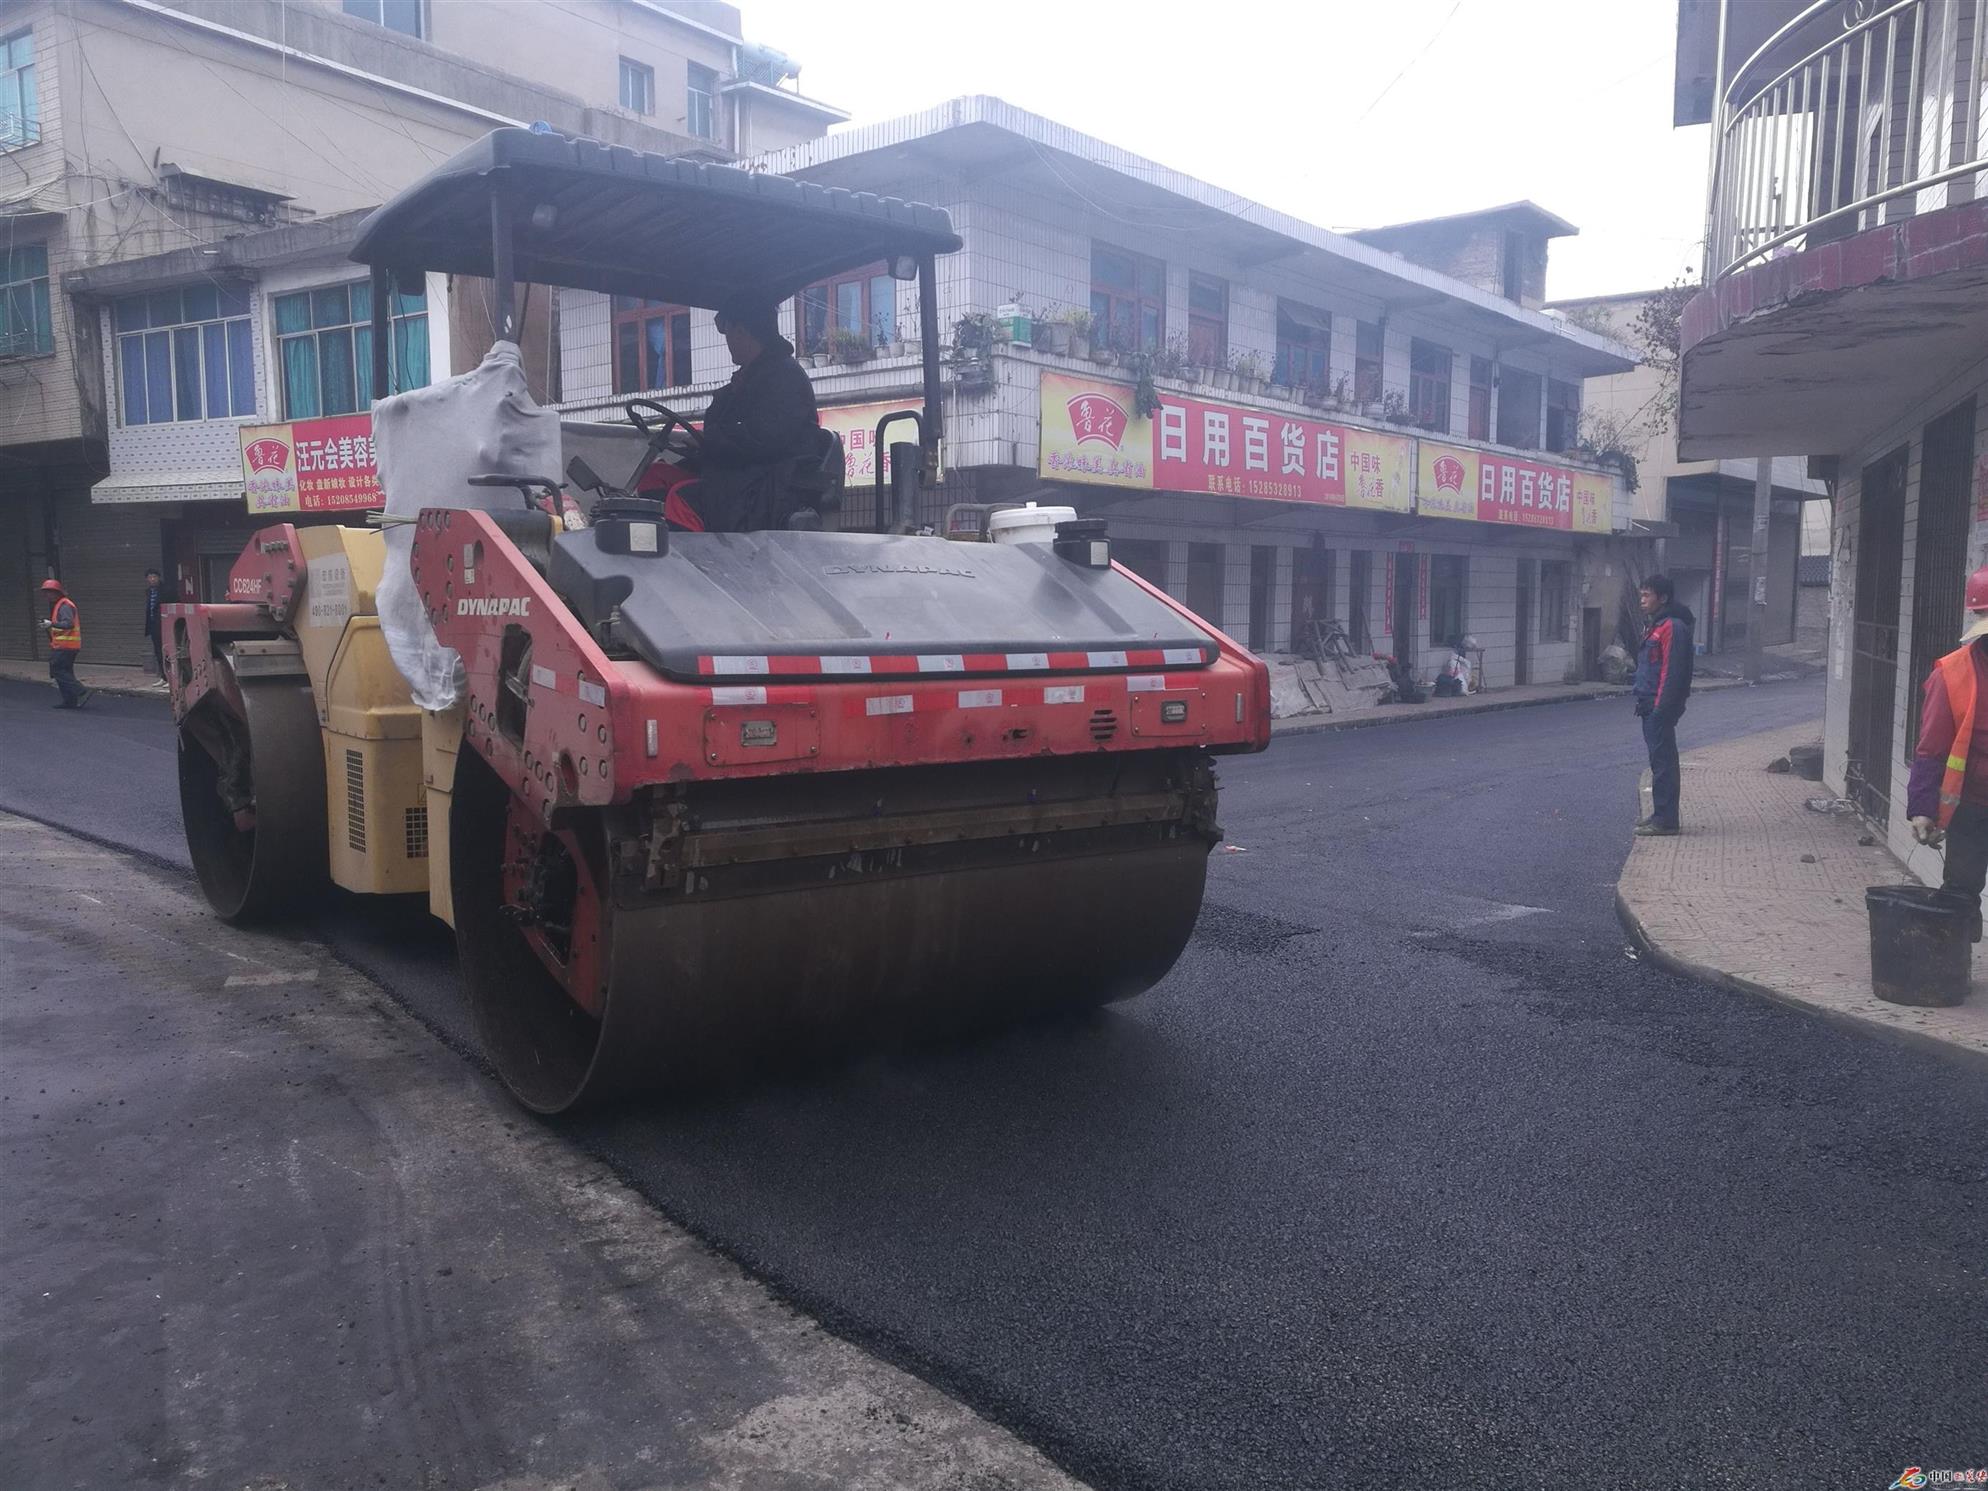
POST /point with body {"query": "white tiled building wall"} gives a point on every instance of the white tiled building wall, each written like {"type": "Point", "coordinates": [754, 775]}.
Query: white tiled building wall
{"type": "Point", "coordinates": [1908, 431]}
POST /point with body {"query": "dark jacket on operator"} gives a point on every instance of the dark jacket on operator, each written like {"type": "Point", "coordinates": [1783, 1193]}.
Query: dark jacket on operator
{"type": "Point", "coordinates": [764, 416]}
{"type": "Point", "coordinates": [1663, 668]}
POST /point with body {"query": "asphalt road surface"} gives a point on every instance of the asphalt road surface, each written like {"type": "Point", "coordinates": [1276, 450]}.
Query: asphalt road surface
{"type": "Point", "coordinates": [1409, 1174]}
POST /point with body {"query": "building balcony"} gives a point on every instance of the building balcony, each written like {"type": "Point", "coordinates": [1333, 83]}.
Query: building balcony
{"type": "Point", "coordinates": [1847, 239]}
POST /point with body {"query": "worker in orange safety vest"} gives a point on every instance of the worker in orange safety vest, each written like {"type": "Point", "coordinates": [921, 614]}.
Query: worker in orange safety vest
{"type": "Point", "coordinates": [65, 639]}
{"type": "Point", "coordinates": [1947, 798]}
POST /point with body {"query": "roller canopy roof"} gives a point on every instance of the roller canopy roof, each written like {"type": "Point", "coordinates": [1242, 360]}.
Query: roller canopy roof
{"type": "Point", "coordinates": [625, 222]}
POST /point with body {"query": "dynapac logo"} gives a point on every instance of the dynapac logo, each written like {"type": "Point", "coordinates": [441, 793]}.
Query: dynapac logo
{"type": "Point", "coordinates": [895, 569]}
{"type": "Point", "coordinates": [494, 605]}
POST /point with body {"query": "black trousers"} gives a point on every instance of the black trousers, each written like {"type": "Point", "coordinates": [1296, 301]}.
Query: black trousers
{"type": "Point", "coordinates": [1660, 739]}
{"type": "Point", "coordinates": [1967, 851]}
{"type": "Point", "coordinates": [62, 668]}
{"type": "Point", "coordinates": [158, 653]}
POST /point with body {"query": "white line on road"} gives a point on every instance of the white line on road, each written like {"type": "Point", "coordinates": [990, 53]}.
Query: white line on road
{"type": "Point", "coordinates": [1506, 913]}
{"type": "Point", "coordinates": [274, 976]}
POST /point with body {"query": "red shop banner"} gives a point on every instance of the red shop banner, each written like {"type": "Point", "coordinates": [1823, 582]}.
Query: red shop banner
{"type": "Point", "coordinates": [310, 466]}
{"type": "Point", "coordinates": [1090, 433]}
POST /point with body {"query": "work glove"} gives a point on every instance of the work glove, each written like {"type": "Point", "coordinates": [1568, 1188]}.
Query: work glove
{"type": "Point", "coordinates": [1927, 832]}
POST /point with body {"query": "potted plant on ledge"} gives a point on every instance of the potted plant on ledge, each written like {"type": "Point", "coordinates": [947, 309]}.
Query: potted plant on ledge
{"type": "Point", "coordinates": [1080, 324]}
{"type": "Point", "coordinates": [848, 347]}
{"type": "Point", "coordinates": [1247, 369]}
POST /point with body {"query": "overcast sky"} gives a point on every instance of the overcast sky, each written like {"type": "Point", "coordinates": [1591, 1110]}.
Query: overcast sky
{"type": "Point", "coordinates": [1346, 114]}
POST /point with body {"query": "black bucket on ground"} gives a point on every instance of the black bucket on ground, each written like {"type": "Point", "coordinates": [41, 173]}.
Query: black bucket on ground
{"type": "Point", "coordinates": [1805, 761]}
{"type": "Point", "coordinates": [1921, 944]}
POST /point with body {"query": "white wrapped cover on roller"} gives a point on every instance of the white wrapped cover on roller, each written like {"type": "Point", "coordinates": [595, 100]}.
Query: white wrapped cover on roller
{"type": "Point", "coordinates": [428, 443]}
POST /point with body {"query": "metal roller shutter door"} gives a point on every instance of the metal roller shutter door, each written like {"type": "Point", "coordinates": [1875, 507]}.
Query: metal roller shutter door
{"type": "Point", "coordinates": [105, 550]}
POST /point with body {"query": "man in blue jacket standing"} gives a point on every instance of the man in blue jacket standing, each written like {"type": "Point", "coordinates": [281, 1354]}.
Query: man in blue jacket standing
{"type": "Point", "coordinates": [1662, 685]}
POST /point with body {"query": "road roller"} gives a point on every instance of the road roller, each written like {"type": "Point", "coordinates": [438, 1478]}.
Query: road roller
{"type": "Point", "coordinates": [692, 801]}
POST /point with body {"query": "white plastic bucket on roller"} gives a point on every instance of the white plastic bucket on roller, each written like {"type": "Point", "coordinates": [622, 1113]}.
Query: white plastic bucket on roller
{"type": "Point", "coordinates": [1028, 525]}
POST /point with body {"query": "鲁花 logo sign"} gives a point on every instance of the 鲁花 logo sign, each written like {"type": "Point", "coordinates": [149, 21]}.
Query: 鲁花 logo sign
{"type": "Point", "coordinates": [1449, 474]}
{"type": "Point", "coordinates": [1095, 417]}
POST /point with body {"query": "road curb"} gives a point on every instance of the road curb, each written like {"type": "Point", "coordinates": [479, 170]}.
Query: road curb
{"type": "Point", "coordinates": [1497, 707]}
{"type": "Point", "coordinates": [1639, 937]}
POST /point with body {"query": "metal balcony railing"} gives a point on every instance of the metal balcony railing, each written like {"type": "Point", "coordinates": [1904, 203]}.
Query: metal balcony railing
{"type": "Point", "coordinates": [1853, 114]}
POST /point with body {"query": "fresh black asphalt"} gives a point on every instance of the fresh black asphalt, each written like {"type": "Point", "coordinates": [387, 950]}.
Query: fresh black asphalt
{"type": "Point", "coordinates": [1409, 1174]}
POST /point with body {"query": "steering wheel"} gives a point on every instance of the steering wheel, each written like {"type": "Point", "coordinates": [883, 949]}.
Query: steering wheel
{"type": "Point", "coordinates": [658, 430]}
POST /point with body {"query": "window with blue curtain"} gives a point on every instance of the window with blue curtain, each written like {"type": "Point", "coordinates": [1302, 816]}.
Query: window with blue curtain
{"type": "Point", "coordinates": [324, 343]}
{"type": "Point", "coordinates": [185, 354]}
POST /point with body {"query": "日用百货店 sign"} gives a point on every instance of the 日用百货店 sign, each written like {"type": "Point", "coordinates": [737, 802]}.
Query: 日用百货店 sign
{"type": "Point", "coordinates": [310, 465]}
{"type": "Point", "coordinates": [1091, 432]}
{"type": "Point", "coordinates": [1479, 486]}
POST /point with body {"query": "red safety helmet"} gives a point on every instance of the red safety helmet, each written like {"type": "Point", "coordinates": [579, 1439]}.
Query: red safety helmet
{"type": "Point", "coordinates": [57, 585]}
{"type": "Point", "coordinates": [1976, 605]}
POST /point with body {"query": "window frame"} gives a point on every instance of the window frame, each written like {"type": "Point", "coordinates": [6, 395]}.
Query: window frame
{"type": "Point", "coordinates": [35, 292]}
{"type": "Point", "coordinates": [1145, 292]}
{"type": "Point", "coordinates": [1429, 390]}
{"type": "Point", "coordinates": [360, 357]}
{"type": "Point", "coordinates": [1368, 376]}
{"type": "Point", "coordinates": [378, 16]}
{"type": "Point", "coordinates": [1207, 329]}
{"type": "Point", "coordinates": [678, 349]}
{"type": "Point", "coordinates": [1553, 624]}
{"type": "Point", "coordinates": [1449, 577]}
{"type": "Point", "coordinates": [642, 74]}
{"type": "Point", "coordinates": [1508, 377]}
{"type": "Point", "coordinates": [1483, 378]}
{"type": "Point", "coordinates": [694, 72]}
{"type": "Point", "coordinates": [19, 80]}
{"type": "Point", "coordinates": [827, 294]}
{"type": "Point", "coordinates": [161, 345]}
{"type": "Point", "coordinates": [1304, 360]}
{"type": "Point", "coordinates": [1564, 435]}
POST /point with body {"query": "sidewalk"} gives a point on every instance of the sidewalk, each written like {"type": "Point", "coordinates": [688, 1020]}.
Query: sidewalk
{"type": "Point", "coordinates": [107, 678]}
{"type": "Point", "coordinates": [1764, 896]}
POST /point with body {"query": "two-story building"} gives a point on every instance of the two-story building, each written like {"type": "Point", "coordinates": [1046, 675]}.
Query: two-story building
{"type": "Point", "coordinates": [1283, 425]}
{"type": "Point", "coordinates": [176, 131]}
{"type": "Point", "coordinates": [1845, 318]}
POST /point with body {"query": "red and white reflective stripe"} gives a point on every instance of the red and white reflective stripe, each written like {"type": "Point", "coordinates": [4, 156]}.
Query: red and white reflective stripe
{"type": "Point", "coordinates": [1150, 683]}
{"type": "Point", "coordinates": [979, 698]}
{"type": "Point", "coordinates": [929, 664]}
{"type": "Point", "coordinates": [745, 694]}
{"type": "Point", "coordinates": [887, 704]}
{"type": "Point", "coordinates": [1063, 694]}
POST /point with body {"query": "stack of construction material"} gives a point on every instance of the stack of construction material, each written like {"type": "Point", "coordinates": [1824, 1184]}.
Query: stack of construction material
{"type": "Point", "coordinates": [1340, 683]}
